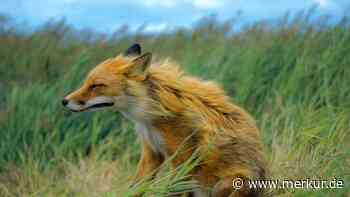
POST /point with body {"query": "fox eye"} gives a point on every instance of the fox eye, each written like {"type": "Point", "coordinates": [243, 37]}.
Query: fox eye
{"type": "Point", "coordinates": [94, 86]}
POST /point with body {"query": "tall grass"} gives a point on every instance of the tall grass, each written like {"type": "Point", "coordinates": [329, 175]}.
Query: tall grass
{"type": "Point", "coordinates": [292, 74]}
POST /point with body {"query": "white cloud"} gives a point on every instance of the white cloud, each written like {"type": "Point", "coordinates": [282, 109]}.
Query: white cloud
{"type": "Point", "coordinates": [207, 4]}
{"type": "Point", "coordinates": [199, 4]}
{"type": "Point", "coordinates": [155, 28]}
{"type": "Point", "coordinates": [322, 3]}
{"type": "Point", "coordinates": [329, 5]}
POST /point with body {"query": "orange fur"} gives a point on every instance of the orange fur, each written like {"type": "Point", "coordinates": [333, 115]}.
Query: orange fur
{"type": "Point", "coordinates": [177, 107]}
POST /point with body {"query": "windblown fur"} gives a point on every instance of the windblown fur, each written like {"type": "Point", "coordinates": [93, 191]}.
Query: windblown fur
{"type": "Point", "coordinates": [173, 110]}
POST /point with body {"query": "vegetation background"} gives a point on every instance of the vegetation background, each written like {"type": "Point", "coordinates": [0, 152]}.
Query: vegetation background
{"type": "Point", "coordinates": [292, 74]}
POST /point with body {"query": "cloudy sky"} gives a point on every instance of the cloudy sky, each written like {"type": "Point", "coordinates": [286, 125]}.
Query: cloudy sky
{"type": "Point", "coordinates": [107, 15]}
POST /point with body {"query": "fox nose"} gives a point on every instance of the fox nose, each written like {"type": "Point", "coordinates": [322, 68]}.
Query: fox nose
{"type": "Point", "coordinates": [64, 102]}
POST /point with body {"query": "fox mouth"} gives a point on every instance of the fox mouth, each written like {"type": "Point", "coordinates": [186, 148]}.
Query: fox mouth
{"type": "Point", "coordinates": [94, 106]}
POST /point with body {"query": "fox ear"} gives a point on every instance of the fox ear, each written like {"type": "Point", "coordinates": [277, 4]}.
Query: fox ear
{"type": "Point", "coordinates": [140, 64]}
{"type": "Point", "coordinates": [133, 50]}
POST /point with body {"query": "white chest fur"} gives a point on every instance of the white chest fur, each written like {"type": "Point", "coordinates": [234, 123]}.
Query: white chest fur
{"type": "Point", "coordinates": [151, 136]}
{"type": "Point", "coordinates": [146, 132]}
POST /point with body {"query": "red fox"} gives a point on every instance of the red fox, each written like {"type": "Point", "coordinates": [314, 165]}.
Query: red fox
{"type": "Point", "coordinates": [169, 108]}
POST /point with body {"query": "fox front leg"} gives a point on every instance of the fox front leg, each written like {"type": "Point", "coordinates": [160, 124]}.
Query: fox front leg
{"type": "Point", "coordinates": [149, 163]}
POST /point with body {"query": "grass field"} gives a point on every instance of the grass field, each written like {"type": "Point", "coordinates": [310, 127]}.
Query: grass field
{"type": "Point", "coordinates": [292, 74]}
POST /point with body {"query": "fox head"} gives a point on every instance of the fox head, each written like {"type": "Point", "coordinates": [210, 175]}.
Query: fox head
{"type": "Point", "coordinates": [115, 83]}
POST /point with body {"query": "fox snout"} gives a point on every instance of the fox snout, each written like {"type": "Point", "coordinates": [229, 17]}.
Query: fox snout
{"type": "Point", "coordinates": [64, 102]}
{"type": "Point", "coordinates": [92, 104]}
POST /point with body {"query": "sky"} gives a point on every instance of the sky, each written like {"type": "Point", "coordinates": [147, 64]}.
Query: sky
{"type": "Point", "coordinates": [157, 15]}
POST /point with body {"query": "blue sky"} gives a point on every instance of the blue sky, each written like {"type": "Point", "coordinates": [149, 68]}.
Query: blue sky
{"type": "Point", "coordinates": [107, 15]}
